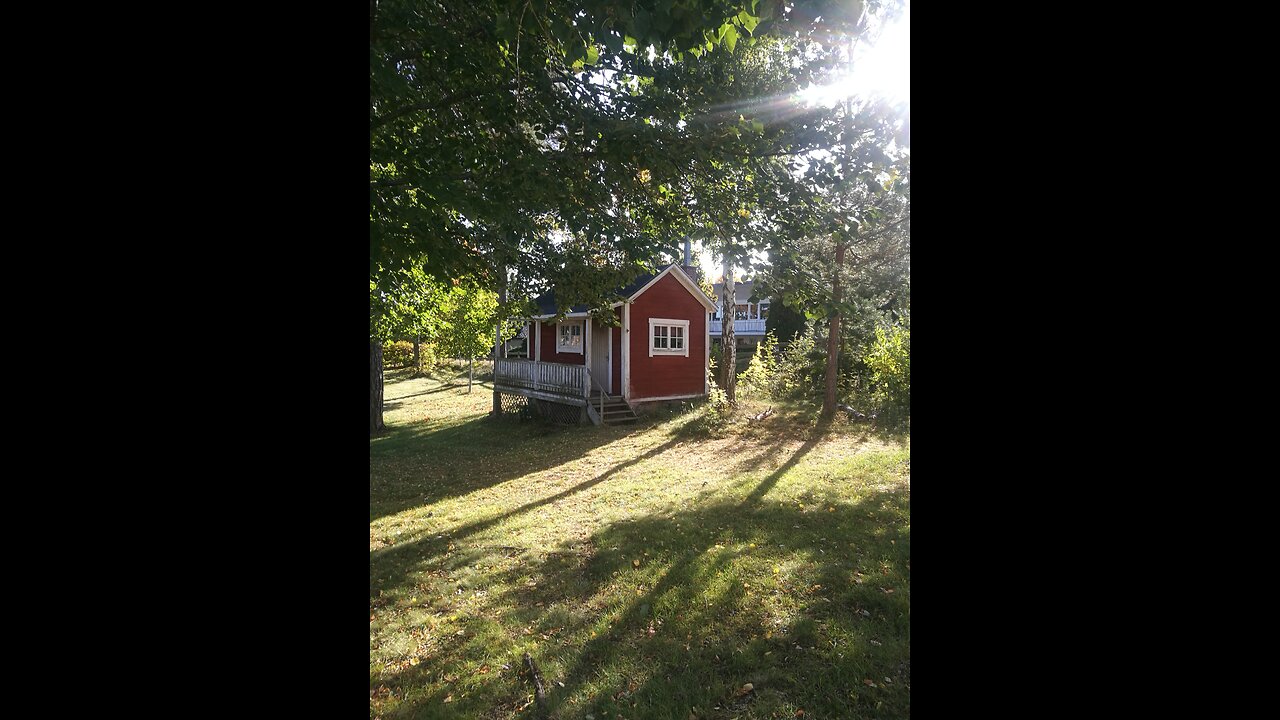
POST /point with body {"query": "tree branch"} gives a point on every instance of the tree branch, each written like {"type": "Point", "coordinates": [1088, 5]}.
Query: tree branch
{"type": "Point", "coordinates": [444, 102]}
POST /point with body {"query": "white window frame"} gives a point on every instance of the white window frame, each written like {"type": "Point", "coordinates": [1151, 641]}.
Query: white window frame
{"type": "Point", "coordinates": [670, 323]}
{"type": "Point", "coordinates": [582, 337]}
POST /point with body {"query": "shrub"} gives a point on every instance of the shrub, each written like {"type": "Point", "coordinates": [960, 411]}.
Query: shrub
{"type": "Point", "coordinates": [799, 370]}
{"type": "Point", "coordinates": [428, 355]}
{"type": "Point", "coordinates": [889, 362]}
{"type": "Point", "coordinates": [397, 354]}
{"type": "Point", "coordinates": [717, 412]}
{"type": "Point", "coordinates": [761, 372]}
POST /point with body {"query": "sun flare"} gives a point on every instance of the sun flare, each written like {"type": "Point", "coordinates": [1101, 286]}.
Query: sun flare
{"type": "Point", "coordinates": [879, 70]}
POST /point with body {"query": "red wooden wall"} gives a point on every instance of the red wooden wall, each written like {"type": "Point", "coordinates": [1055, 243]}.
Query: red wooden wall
{"type": "Point", "coordinates": [665, 375]}
{"type": "Point", "coordinates": [549, 353]}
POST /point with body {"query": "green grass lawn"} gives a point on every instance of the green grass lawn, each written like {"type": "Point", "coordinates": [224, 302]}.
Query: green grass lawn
{"type": "Point", "coordinates": [651, 570]}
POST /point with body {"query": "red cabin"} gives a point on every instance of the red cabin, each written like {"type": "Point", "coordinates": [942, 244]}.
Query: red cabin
{"type": "Point", "coordinates": [660, 350]}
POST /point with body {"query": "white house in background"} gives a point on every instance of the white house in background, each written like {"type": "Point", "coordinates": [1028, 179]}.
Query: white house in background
{"type": "Point", "coordinates": [518, 346]}
{"type": "Point", "coordinates": [748, 317]}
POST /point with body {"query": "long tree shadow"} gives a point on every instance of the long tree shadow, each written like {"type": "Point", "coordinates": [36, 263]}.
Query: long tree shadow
{"type": "Point", "coordinates": [442, 388]}
{"type": "Point", "coordinates": [772, 479]}
{"type": "Point", "coordinates": [422, 463]}
{"type": "Point", "coordinates": [389, 565]}
{"type": "Point", "coordinates": [670, 614]}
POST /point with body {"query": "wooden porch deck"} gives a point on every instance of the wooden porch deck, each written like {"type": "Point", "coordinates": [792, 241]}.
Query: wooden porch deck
{"type": "Point", "coordinates": [558, 382]}
{"type": "Point", "coordinates": [561, 383]}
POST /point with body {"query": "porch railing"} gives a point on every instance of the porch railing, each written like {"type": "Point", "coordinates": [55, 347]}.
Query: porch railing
{"type": "Point", "coordinates": [554, 378]}
{"type": "Point", "coordinates": [742, 327]}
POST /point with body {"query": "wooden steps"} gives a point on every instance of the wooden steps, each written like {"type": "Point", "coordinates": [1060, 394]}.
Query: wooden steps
{"type": "Point", "coordinates": [616, 409]}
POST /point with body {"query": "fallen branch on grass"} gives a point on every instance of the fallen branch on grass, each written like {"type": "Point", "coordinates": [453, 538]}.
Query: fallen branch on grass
{"type": "Point", "coordinates": [855, 414]}
{"type": "Point", "coordinates": [539, 693]}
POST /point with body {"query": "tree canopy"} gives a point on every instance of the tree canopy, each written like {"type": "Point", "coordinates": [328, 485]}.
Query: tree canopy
{"type": "Point", "coordinates": [571, 141]}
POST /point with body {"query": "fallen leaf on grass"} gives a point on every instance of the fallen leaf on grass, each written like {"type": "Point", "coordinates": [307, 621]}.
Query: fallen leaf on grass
{"type": "Point", "coordinates": [449, 699]}
{"type": "Point", "coordinates": [746, 689]}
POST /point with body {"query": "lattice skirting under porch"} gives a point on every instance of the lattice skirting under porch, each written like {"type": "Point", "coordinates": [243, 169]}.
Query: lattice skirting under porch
{"type": "Point", "coordinates": [524, 408]}
{"type": "Point", "coordinates": [557, 413]}
{"type": "Point", "coordinates": [514, 405]}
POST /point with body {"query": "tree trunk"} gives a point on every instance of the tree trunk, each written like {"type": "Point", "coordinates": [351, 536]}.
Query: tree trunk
{"type": "Point", "coordinates": [375, 387]}
{"type": "Point", "coordinates": [471, 373]}
{"type": "Point", "coordinates": [833, 337]}
{"type": "Point", "coordinates": [729, 346]}
{"type": "Point", "coordinates": [497, 338]}
{"type": "Point", "coordinates": [417, 357]}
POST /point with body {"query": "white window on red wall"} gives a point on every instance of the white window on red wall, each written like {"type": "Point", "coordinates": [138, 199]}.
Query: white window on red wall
{"type": "Point", "coordinates": [569, 337]}
{"type": "Point", "coordinates": [668, 337]}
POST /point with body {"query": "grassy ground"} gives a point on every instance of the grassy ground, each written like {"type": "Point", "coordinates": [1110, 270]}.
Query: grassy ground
{"type": "Point", "coordinates": [651, 571]}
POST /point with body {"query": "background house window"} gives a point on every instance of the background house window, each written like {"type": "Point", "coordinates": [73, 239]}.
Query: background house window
{"type": "Point", "coordinates": [764, 310]}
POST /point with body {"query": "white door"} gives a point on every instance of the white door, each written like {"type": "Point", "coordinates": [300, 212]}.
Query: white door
{"type": "Point", "coordinates": [600, 350]}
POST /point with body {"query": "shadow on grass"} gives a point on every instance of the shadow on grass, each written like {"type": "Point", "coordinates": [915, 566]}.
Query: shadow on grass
{"type": "Point", "coordinates": [442, 388]}
{"type": "Point", "coordinates": [424, 462]}
{"type": "Point", "coordinates": [391, 564]}
{"type": "Point", "coordinates": [702, 614]}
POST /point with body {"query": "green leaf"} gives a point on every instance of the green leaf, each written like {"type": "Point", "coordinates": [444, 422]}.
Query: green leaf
{"type": "Point", "coordinates": [593, 55]}
{"type": "Point", "coordinates": [731, 37]}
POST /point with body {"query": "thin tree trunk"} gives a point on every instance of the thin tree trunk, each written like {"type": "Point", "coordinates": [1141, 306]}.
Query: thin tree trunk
{"type": "Point", "coordinates": [833, 337]}
{"type": "Point", "coordinates": [417, 357]}
{"type": "Point", "coordinates": [729, 360]}
{"type": "Point", "coordinates": [497, 337]}
{"type": "Point", "coordinates": [471, 373]}
{"type": "Point", "coordinates": [375, 387]}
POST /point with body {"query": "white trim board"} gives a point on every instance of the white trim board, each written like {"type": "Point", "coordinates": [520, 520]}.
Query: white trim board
{"type": "Point", "coordinates": [626, 350]}
{"type": "Point", "coordinates": [667, 397]}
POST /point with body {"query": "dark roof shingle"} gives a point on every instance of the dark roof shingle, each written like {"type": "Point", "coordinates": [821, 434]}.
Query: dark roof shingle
{"type": "Point", "coordinates": [547, 301]}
